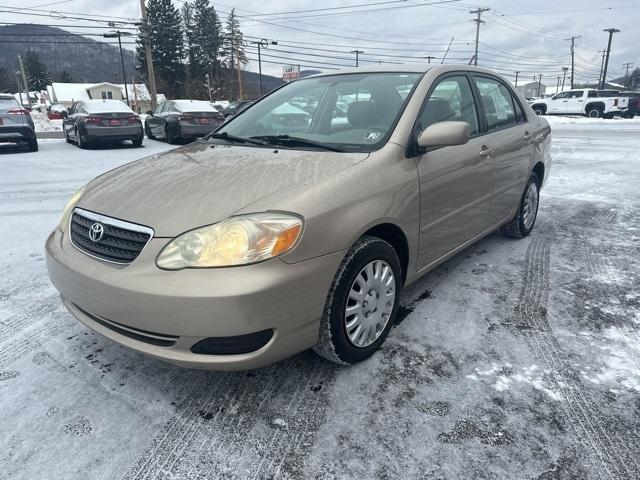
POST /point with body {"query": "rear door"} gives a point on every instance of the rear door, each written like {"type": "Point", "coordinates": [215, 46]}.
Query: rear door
{"type": "Point", "coordinates": [511, 139]}
{"type": "Point", "coordinates": [455, 182]}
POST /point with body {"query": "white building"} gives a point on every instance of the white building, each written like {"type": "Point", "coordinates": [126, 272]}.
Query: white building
{"type": "Point", "coordinates": [67, 93]}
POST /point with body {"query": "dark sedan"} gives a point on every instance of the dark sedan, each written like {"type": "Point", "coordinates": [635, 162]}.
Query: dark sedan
{"type": "Point", "coordinates": [236, 107]}
{"type": "Point", "coordinates": [96, 121]}
{"type": "Point", "coordinates": [178, 120]}
{"type": "Point", "coordinates": [16, 125]}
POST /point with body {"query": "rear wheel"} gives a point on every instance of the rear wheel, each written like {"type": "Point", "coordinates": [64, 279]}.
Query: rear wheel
{"type": "Point", "coordinates": [594, 112]}
{"type": "Point", "coordinates": [522, 224]}
{"type": "Point", "coordinates": [80, 140]}
{"type": "Point", "coordinates": [66, 136]}
{"type": "Point", "coordinates": [362, 302]}
{"type": "Point", "coordinates": [33, 145]}
{"type": "Point", "coordinates": [540, 110]}
{"type": "Point", "coordinates": [172, 137]}
{"type": "Point", "coordinates": [137, 142]}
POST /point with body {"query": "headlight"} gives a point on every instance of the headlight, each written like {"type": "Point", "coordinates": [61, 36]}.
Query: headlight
{"type": "Point", "coordinates": [236, 241]}
{"type": "Point", "coordinates": [66, 214]}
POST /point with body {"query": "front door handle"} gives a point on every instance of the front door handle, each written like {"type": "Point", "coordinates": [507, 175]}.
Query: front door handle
{"type": "Point", "coordinates": [528, 137]}
{"type": "Point", "coordinates": [485, 151]}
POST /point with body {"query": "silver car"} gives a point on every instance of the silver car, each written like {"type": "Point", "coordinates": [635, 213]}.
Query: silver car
{"type": "Point", "coordinates": [268, 238]}
{"type": "Point", "coordinates": [16, 124]}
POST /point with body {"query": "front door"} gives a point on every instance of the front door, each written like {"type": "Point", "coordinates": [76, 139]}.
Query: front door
{"type": "Point", "coordinates": [456, 182]}
{"type": "Point", "coordinates": [574, 104]}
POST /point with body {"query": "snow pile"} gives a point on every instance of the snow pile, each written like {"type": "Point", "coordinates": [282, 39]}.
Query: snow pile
{"type": "Point", "coordinates": [572, 120]}
{"type": "Point", "coordinates": [43, 124]}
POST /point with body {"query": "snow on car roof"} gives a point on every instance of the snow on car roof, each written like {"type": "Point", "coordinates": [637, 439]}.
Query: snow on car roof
{"type": "Point", "coordinates": [194, 106]}
{"type": "Point", "coordinates": [106, 106]}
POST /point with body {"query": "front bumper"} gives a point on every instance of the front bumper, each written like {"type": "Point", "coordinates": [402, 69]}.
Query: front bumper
{"type": "Point", "coordinates": [195, 304]}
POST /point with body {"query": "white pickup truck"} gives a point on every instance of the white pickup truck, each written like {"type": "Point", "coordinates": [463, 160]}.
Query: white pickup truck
{"type": "Point", "coordinates": [582, 101]}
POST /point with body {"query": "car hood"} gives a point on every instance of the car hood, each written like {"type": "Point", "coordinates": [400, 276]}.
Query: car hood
{"type": "Point", "coordinates": [199, 185]}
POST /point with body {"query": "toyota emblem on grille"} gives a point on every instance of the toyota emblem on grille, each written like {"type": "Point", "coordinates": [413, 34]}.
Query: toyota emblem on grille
{"type": "Point", "coordinates": [96, 232]}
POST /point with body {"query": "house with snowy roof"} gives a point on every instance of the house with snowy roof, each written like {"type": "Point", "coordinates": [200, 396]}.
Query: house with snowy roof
{"type": "Point", "coordinates": [67, 93]}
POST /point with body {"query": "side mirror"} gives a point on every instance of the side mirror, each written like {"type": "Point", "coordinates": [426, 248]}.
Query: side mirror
{"type": "Point", "coordinates": [64, 114]}
{"type": "Point", "coordinates": [150, 113]}
{"type": "Point", "coordinates": [444, 134]}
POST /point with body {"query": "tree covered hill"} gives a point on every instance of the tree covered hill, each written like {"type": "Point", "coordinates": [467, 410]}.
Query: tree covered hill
{"type": "Point", "coordinates": [86, 60]}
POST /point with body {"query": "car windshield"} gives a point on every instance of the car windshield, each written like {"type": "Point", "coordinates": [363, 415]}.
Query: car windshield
{"type": "Point", "coordinates": [347, 112]}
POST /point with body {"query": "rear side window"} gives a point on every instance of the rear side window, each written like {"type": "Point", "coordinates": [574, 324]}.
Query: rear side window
{"type": "Point", "coordinates": [451, 100]}
{"type": "Point", "coordinates": [592, 94]}
{"type": "Point", "coordinates": [497, 102]}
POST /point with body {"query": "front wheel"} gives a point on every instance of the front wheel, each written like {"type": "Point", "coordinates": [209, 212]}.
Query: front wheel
{"type": "Point", "coordinates": [522, 224]}
{"type": "Point", "coordinates": [362, 302]}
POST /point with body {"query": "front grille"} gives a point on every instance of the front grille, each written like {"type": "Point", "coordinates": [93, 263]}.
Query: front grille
{"type": "Point", "coordinates": [116, 241]}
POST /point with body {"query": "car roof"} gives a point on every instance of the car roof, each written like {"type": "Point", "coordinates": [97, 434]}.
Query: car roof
{"type": "Point", "coordinates": [408, 68]}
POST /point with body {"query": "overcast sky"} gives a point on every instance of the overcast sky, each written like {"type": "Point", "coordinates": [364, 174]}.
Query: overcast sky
{"type": "Point", "coordinates": [524, 36]}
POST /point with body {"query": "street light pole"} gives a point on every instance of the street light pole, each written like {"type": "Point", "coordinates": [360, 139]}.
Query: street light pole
{"type": "Point", "coordinates": [564, 75]}
{"type": "Point", "coordinates": [262, 43]}
{"type": "Point", "coordinates": [117, 34]}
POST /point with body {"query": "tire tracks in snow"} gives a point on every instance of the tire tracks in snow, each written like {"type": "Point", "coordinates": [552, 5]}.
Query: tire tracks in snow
{"type": "Point", "coordinates": [592, 429]}
{"type": "Point", "coordinates": [258, 424]}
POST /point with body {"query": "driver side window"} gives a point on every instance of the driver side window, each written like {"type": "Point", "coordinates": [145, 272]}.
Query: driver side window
{"type": "Point", "coordinates": [451, 100]}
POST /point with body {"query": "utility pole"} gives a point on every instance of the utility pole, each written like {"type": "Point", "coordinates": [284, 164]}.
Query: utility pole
{"type": "Point", "coordinates": [478, 21]}
{"type": "Point", "coordinates": [601, 66]}
{"type": "Point", "coordinates": [573, 55]}
{"type": "Point", "coordinates": [357, 52]}
{"type": "Point", "coordinates": [627, 65]}
{"type": "Point", "coordinates": [517, 78]}
{"type": "Point", "coordinates": [118, 34]}
{"type": "Point", "coordinates": [558, 85]}
{"type": "Point", "coordinates": [539, 84]}
{"type": "Point", "coordinates": [135, 93]}
{"type": "Point", "coordinates": [147, 48]}
{"type": "Point", "coordinates": [429, 58]}
{"type": "Point", "coordinates": [264, 43]}
{"type": "Point", "coordinates": [564, 75]}
{"type": "Point", "coordinates": [208, 79]}
{"type": "Point", "coordinates": [606, 63]}
{"type": "Point", "coordinates": [24, 81]}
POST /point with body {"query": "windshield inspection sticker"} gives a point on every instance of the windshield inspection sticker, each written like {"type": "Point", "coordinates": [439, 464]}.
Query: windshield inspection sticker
{"type": "Point", "coordinates": [372, 136]}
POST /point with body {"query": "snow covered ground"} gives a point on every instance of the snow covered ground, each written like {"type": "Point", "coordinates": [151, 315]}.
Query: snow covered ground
{"type": "Point", "coordinates": [513, 360]}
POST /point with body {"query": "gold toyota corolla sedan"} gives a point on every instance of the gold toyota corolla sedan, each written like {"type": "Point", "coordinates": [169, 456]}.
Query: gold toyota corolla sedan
{"type": "Point", "coordinates": [298, 222]}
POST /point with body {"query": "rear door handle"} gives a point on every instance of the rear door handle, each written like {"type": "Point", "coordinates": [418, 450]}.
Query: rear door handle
{"type": "Point", "coordinates": [486, 151]}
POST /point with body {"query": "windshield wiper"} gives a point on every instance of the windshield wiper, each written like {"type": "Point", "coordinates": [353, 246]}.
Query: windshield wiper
{"type": "Point", "coordinates": [235, 139]}
{"type": "Point", "coordinates": [289, 141]}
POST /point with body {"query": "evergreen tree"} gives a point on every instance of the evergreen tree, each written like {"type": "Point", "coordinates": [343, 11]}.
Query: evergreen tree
{"type": "Point", "coordinates": [164, 34]}
{"type": "Point", "coordinates": [234, 52]}
{"type": "Point", "coordinates": [6, 85]}
{"type": "Point", "coordinates": [205, 45]}
{"type": "Point", "coordinates": [65, 77]}
{"type": "Point", "coordinates": [37, 74]}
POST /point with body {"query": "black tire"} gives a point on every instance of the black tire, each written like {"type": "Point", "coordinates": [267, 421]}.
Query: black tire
{"type": "Point", "coordinates": [608, 116]}
{"type": "Point", "coordinates": [333, 341]}
{"type": "Point", "coordinates": [172, 138]}
{"type": "Point", "coordinates": [539, 110]}
{"type": "Point", "coordinates": [81, 142]}
{"type": "Point", "coordinates": [32, 145]}
{"type": "Point", "coordinates": [147, 130]}
{"type": "Point", "coordinates": [594, 112]}
{"type": "Point", "coordinates": [137, 143]}
{"type": "Point", "coordinates": [66, 136]}
{"type": "Point", "coordinates": [516, 227]}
